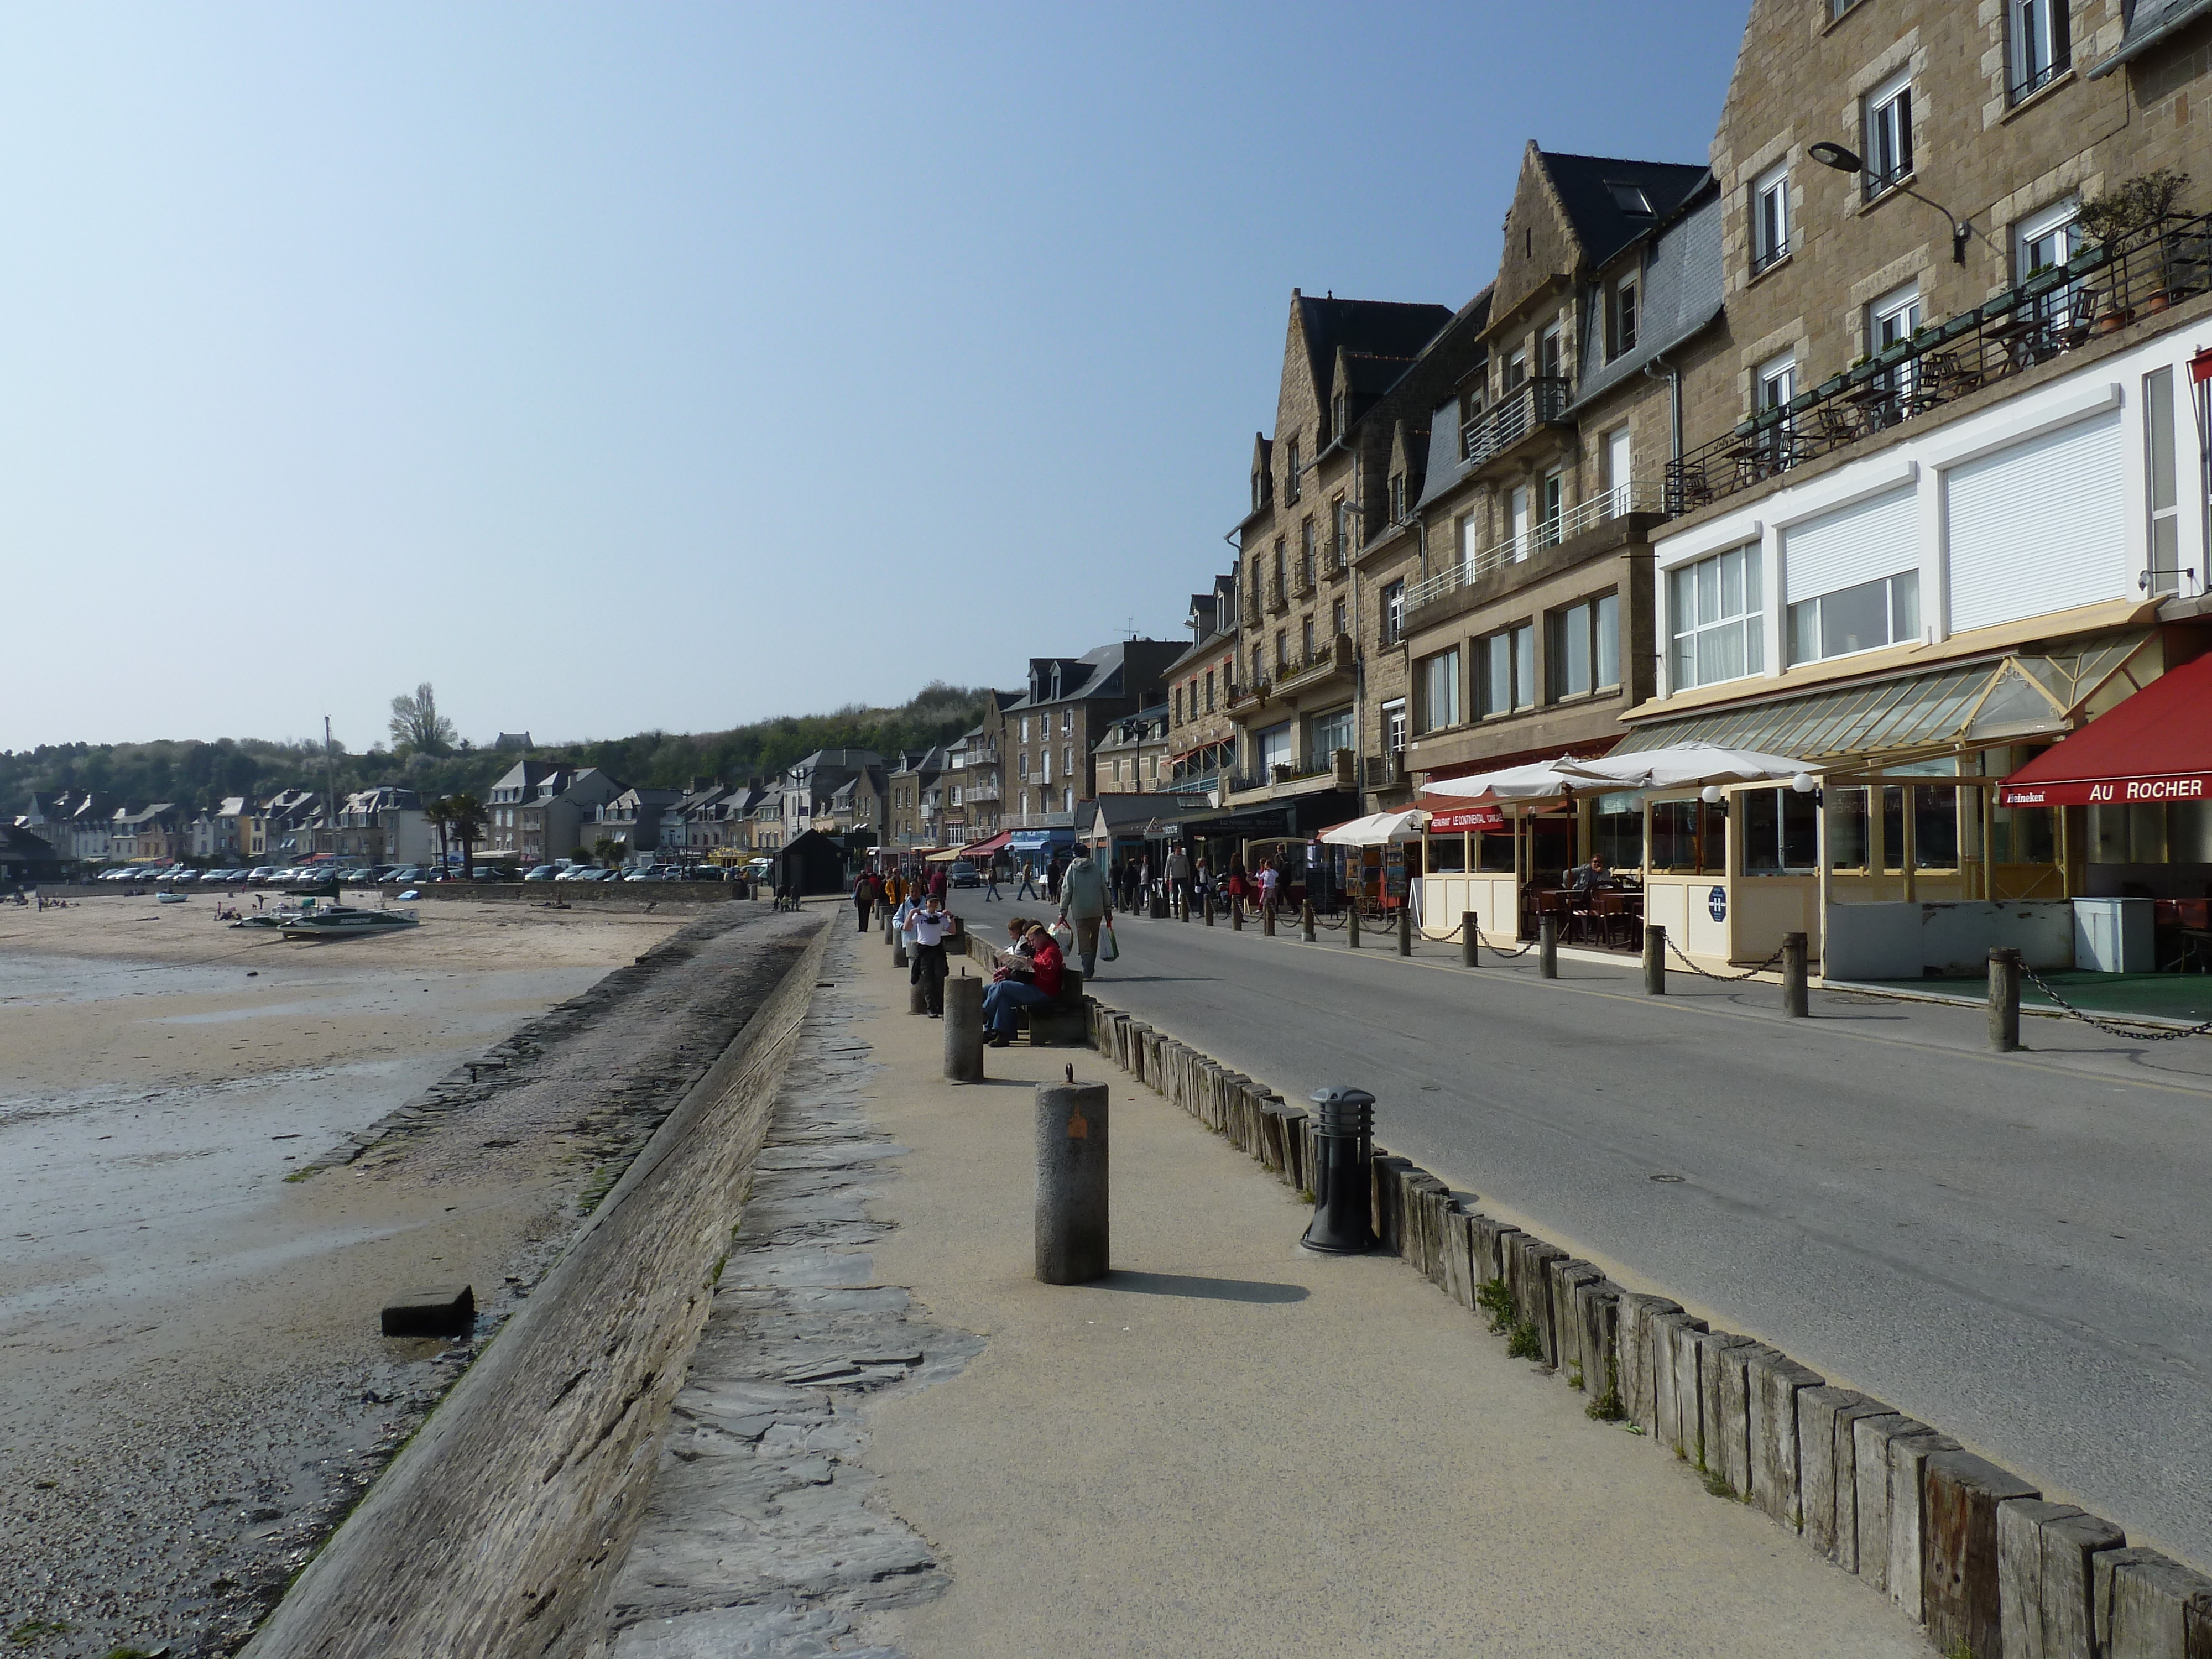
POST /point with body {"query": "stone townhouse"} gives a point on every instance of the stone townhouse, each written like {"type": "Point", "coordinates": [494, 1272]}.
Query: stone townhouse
{"type": "Point", "coordinates": [907, 782]}
{"type": "Point", "coordinates": [1200, 736]}
{"type": "Point", "coordinates": [1132, 758]}
{"type": "Point", "coordinates": [642, 820]}
{"type": "Point", "coordinates": [539, 811]}
{"type": "Point", "coordinates": [1953, 514]}
{"type": "Point", "coordinates": [810, 784]}
{"type": "Point", "coordinates": [1296, 702]}
{"type": "Point", "coordinates": [146, 835]}
{"type": "Point", "coordinates": [1069, 705]}
{"type": "Point", "coordinates": [1533, 630]}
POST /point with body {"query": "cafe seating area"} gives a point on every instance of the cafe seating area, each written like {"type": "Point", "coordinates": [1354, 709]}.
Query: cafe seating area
{"type": "Point", "coordinates": [1609, 916]}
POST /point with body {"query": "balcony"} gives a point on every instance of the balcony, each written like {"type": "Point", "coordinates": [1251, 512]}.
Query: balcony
{"type": "Point", "coordinates": [1529, 409]}
{"type": "Point", "coordinates": [1277, 597]}
{"type": "Point", "coordinates": [2054, 311]}
{"type": "Point", "coordinates": [978, 789]}
{"type": "Point", "coordinates": [1327, 662]}
{"type": "Point", "coordinates": [1336, 768]}
{"type": "Point", "coordinates": [1635, 496]}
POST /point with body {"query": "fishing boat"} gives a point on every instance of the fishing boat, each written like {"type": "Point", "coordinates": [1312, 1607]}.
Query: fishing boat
{"type": "Point", "coordinates": [344, 920]}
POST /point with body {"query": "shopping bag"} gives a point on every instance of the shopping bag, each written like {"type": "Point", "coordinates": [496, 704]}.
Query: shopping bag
{"type": "Point", "coordinates": [1108, 949]}
{"type": "Point", "coordinates": [1063, 936]}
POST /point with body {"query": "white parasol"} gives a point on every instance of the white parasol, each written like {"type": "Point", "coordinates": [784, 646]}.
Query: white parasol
{"type": "Point", "coordinates": [1375, 829]}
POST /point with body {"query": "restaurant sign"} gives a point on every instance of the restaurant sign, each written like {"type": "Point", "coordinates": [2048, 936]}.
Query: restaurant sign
{"type": "Point", "coordinates": [1464, 818]}
{"type": "Point", "coordinates": [2109, 791]}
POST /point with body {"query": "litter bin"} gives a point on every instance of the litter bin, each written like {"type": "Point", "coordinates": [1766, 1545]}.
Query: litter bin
{"type": "Point", "coordinates": [1344, 1149]}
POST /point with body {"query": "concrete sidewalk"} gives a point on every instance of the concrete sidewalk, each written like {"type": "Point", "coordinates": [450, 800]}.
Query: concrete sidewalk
{"type": "Point", "coordinates": [1233, 1447]}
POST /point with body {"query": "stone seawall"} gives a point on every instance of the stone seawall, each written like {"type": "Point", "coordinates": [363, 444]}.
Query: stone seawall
{"type": "Point", "coordinates": [493, 1533]}
{"type": "Point", "coordinates": [1971, 1553]}
{"type": "Point", "coordinates": [578, 893]}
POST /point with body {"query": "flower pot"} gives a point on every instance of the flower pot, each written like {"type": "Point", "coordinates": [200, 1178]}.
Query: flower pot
{"type": "Point", "coordinates": [2157, 301]}
{"type": "Point", "coordinates": [2113, 321]}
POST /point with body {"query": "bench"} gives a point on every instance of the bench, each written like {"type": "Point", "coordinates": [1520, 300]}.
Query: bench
{"type": "Point", "coordinates": [1064, 1023]}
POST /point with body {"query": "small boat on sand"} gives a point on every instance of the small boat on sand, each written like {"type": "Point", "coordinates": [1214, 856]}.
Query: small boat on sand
{"type": "Point", "coordinates": [343, 922]}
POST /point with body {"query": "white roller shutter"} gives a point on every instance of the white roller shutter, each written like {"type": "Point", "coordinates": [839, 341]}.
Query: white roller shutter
{"type": "Point", "coordinates": [1852, 544]}
{"type": "Point", "coordinates": [2040, 526]}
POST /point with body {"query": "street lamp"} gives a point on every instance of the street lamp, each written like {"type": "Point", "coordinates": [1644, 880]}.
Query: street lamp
{"type": "Point", "coordinates": [1847, 160]}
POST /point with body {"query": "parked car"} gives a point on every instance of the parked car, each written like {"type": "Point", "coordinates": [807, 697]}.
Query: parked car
{"type": "Point", "coordinates": [705, 872]}
{"type": "Point", "coordinates": [406, 873]}
{"type": "Point", "coordinates": [544, 872]}
{"type": "Point", "coordinates": [964, 874]}
{"type": "Point", "coordinates": [182, 877]}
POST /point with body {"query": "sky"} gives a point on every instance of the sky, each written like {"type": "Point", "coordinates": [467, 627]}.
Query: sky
{"type": "Point", "coordinates": [618, 368]}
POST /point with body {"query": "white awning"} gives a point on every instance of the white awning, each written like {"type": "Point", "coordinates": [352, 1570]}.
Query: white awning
{"type": "Point", "coordinates": [1376, 829]}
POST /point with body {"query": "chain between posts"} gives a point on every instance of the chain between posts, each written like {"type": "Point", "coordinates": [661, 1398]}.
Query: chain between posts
{"type": "Point", "coordinates": [1725, 979]}
{"type": "Point", "coordinates": [2142, 1033]}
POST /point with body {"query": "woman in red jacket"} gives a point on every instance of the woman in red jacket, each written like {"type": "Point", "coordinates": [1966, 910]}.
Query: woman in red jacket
{"type": "Point", "coordinates": [1007, 997]}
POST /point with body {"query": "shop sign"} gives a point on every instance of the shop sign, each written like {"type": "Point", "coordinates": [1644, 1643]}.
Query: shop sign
{"type": "Point", "coordinates": [2111, 792]}
{"type": "Point", "coordinates": [1465, 818]}
{"type": "Point", "coordinates": [1717, 903]}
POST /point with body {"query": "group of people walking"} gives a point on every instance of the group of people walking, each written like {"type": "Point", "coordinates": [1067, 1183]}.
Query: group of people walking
{"type": "Point", "coordinates": [1182, 880]}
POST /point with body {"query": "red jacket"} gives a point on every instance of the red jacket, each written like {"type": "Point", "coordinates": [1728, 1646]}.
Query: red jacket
{"type": "Point", "coordinates": [1045, 967]}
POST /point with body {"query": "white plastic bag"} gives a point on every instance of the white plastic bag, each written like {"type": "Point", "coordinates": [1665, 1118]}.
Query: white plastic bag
{"type": "Point", "coordinates": [1063, 936]}
{"type": "Point", "coordinates": [1109, 949]}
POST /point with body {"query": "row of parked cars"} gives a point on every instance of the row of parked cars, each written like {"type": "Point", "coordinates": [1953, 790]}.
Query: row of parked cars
{"type": "Point", "coordinates": [640, 873]}
{"type": "Point", "coordinates": [407, 875]}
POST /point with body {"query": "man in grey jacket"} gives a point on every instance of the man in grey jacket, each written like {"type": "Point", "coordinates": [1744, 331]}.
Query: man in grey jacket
{"type": "Point", "coordinates": [1085, 901]}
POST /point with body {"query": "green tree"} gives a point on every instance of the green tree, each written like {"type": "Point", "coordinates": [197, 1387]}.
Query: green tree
{"type": "Point", "coordinates": [417, 727]}
{"type": "Point", "coordinates": [468, 818]}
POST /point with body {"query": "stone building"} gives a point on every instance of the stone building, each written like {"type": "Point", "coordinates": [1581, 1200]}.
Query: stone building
{"type": "Point", "coordinates": [1198, 741]}
{"type": "Point", "coordinates": [1132, 758]}
{"type": "Point", "coordinates": [1069, 705]}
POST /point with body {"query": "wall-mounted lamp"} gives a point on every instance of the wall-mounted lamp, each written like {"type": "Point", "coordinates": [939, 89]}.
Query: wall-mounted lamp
{"type": "Point", "coordinates": [1848, 161]}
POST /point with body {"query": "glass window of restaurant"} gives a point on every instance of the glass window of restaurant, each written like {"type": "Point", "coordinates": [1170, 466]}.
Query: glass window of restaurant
{"type": "Point", "coordinates": [1781, 832]}
{"type": "Point", "coordinates": [1689, 837]}
{"type": "Point", "coordinates": [1935, 810]}
{"type": "Point", "coordinates": [1617, 832]}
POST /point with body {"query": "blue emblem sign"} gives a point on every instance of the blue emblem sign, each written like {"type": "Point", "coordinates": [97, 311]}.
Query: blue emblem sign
{"type": "Point", "coordinates": [1717, 903]}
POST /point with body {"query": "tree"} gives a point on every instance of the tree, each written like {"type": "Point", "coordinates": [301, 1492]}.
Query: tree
{"type": "Point", "coordinates": [439, 815]}
{"type": "Point", "coordinates": [608, 851]}
{"type": "Point", "coordinates": [417, 726]}
{"type": "Point", "coordinates": [468, 818]}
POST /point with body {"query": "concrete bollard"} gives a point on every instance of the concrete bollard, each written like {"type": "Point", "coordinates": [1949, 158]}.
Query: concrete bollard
{"type": "Point", "coordinates": [1352, 925]}
{"type": "Point", "coordinates": [1186, 905]}
{"type": "Point", "coordinates": [1405, 928]}
{"type": "Point", "coordinates": [1306, 922]}
{"type": "Point", "coordinates": [1071, 1182]}
{"type": "Point", "coordinates": [2004, 999]}
{"type": "Point", "coordinates": [1470, 939]}
{"type": "Point", "coordinates": [1268, 920]}
{"type": "Point", "coordinates": [1793, 1003]}
{"type": "Point", "coordinates": [898, 950]}
{"type": "Point", "coordinates": [1547, 947]}
{"type": "Point", "coordinates": [963, 1029]}
{"type": "Point", "coordinates": [917, 996]}
{"type": "Point", "coordinates": [1655, 961]}
{"type": "Point", "coordinates": [1236, 917]}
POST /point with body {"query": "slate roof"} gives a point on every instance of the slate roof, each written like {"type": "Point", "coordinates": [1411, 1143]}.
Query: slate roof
{"type": "Point", "coordinates": [1592, 188]}
{"type": "Point", "coordinates": [1380, 328]}
{"type": "Point", "coordinates": [2150, 21]}
{"type": "Point", "coordinates": [1685, 288]}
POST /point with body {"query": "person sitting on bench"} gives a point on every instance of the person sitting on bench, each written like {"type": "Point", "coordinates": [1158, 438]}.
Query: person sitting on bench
{"type": "Point", "coordinates": [1006, 996]}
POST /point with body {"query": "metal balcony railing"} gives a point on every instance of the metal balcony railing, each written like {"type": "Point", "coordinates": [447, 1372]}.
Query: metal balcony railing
{"type": "Point", "coordinates": [2054, 311]}
{"type": "Point", "coordinates": [1638, 495]}
{"type": "Point", "coordinates": [1527, 408]}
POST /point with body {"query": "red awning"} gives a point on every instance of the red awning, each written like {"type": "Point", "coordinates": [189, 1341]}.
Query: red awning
{"type": "Point", "coordinates": [991, 845]}
{"type": "Point", "coordinates": [2155, 746]}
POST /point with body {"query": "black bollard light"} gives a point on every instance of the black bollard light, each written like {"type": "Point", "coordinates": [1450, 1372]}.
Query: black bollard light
{"type": "Point", "coordinates": [1306, 922]}
{"type": "Point", "coordinates": [1547, 947]}
{"type": "Point", "coordinates": [1344, 1148]}
{"type": "Point", "coordinates": [1405, 928]}
{"type": "Point", "coordinates": [1470, 939]}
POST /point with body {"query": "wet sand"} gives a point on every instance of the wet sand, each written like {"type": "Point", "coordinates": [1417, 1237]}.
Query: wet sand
{"type": "Point", "coordinates": [191, 1380]}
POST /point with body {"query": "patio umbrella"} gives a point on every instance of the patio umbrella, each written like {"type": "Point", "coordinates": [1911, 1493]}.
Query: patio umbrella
{"type": "Point", "coordinates": [1539, 780]}
{"type": "Point", "coordinates": [1375, 829]}
{"type": "Point", "coordinates": [1690, 766]}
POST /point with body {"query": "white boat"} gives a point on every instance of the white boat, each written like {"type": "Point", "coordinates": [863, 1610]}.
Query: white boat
{"type": "Point", "coordinates": [344, 920]}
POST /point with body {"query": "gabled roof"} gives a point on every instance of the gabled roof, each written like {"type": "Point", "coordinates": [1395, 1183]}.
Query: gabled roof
{"type": "Point", "coordinates": [1381, 328]}
{"type": "Point", "coordinates": [1611, 201]}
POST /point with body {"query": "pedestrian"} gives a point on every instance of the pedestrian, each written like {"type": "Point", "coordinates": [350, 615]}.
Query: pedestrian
{"type": "Point", "coordinates": [1053, 872]}
{"type": "Point", "coordinates": [864, 896]}
{"type": "Point", "coordinates": [1006, 998]}
{"type": "Point", "coordinates": [991, 881]}
{"type": "Point", "coordinates": [926, 956]}
{"type": "Point", "coordinates": [1028, 889]}
{"type": "Point", "coordinates": [937, 884]}
{"type": "Point", "coordinates": [1270, 879]}
{"type": "Point", "coordinates": [1178, 876]}
{"type": "Point", "coordinates": [1086, 902]}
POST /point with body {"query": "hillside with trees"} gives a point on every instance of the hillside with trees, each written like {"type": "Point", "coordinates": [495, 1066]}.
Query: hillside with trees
{"type": "Point", "coordinates": [428, 756]}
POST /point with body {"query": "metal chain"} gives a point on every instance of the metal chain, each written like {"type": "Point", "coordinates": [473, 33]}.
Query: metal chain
{"type": "Point", "coordinates": [2142, 1033]}
{"type": "Point", "coordinates": [1725, 979]}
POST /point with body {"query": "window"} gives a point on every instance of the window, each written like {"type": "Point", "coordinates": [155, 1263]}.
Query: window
{"type": "Point", "coordinates": [1291, 487]}
{"type": "Point", "coordinates": [1619, 464]}
{"type": "Point", "coordinates": [1261, 488]}
{"type": "Point", "coordinates": [1397, 496]}
{"type": "Point", "coordinates": [1209, 690]}
{"type": "Point", "coordinates": [1066, 721]}
{"type": "Point", "coordinates": [1067, 762]}
{"type": "Point", "coordinates": [1583, 651]}
{"type": "Point", "coordinates": [1516, 369]}
{"type": "Point", "coordinates": [1067, 800]}
{"type": "Point", "coordinates": [2159, 482]}
{"type": "Point", "coordinates": [1021, 771]}
{"type": "Point", "coordinates": [1394, 613]}
{"type": "Point", "coordinates": [1282, 652]}
{"type": "Point", "coordinates": [1505, 670]}
{"type": "Point", "coordinates": [1620, 319]}
{"type": "Point", "coordinates": [1781, 832]}
{"type": "Point", "coordinates": [1393, 724]}
{"type": "Point", "coordinates": [1470, 538]}
{"type": "Point", "coordinates": [1305, 555]}
{"type": "Point", "coordinates": [1282, 568]}
{"type": "Point", "coordinates": [1892, 320]}
{"type": "Point", "coordinates": [1777, 382]}
{"type": "Point", "coordinates": [1336, 619]}
{"type": "Point", "coordinates": [1548, 353]}
{"type": "Point", "coordinates": [1026, 728]}
{"type": "Point", "coordinates": [2045, 242]}
{"type": "Point", "coordinates": [1885, 612]}
{"type": "Point", "coordinates": [1553, 494]}
{"type": "Point", "coordinates": [1437, 680]}
{"type": "Point", "coordinates": [1331, 731]}
{"type": "Point", "coordinates": [1338, 410]}
{"type": "Point", "coordinates": [1342, 531]}
{"type": "Point", "coordinates": [1888, 136]}
{"type": "Point", "coordinates": [1629, 198]}
{"type": "Point", "coordinates": [1716, 619]}
{"type": "Point", "coordinates": [1175, 698]}
{"type": "Point", "coordinates": [2040, 50]}
{"type": "Point", "coordinates": [1306, 638]}
{"type": "Point", "coordinates": [1517, 515]}
{"type": "Point", "coordinates": [1770, 218]}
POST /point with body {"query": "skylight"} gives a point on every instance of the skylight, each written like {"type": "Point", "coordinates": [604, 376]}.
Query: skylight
{"type": "Point", "coordinates": [1629, 198]}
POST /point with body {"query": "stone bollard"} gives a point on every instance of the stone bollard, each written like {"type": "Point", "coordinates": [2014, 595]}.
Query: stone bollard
{"type": "Point", "coordinates": [1655, 961]}
{"type": "Point", "coordinates": [1547, 947]}
{"type": "Point", "coordinates": [1267, 920]}
{"type": "Point", "coordinates": [1405, 928]}
{"type": "Point", "coordinates": [963, 1029]}
{"type": "Point", "coordinates": [898, 949]}
{"type": "Point", "coordinates": [1352, 925]}
{"type": "Point", "coordinates": [1236, 916]}
{"type": "Point", "coordinates": [1306, 922]}
{"type": "Point", "coordinates": [2004, 999]}
{"type": "Point", "coordinates": [1470, 939]}
{"type": "Point", "coordinates": [1071, 1181]}
{"type": "Point", "coordinates": [917, 995]}
{"type": "Point", "coordinates": [1794, 1001]}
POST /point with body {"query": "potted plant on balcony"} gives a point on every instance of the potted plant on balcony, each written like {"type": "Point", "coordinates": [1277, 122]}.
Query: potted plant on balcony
{"type": "Point", "coordinates": [2131, 206]}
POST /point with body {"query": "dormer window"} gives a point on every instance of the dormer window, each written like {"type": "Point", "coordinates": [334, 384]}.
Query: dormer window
{"type": "Point", "coordinates": [1629, 198]}
{"type": "Point", "coordinates": [1291, 488]}
{"type": "Point", "coordinates": [1621, 318]}
{"type": "Point", "coordinates": [1338, 412]}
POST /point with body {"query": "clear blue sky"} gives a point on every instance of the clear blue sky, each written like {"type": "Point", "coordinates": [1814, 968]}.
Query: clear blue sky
{"type": "Point", "coordinates": [627, 367]}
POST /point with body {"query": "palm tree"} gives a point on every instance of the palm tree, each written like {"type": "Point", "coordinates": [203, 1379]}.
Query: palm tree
{"type": "Point", "coordinates": [440, 813]}
{"type": "Point", "coordinates": [468, 818]}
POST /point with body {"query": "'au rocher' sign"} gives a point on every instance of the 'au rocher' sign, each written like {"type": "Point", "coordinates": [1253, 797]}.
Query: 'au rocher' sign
{"type": "Point", "coordinates": [2108, 791]}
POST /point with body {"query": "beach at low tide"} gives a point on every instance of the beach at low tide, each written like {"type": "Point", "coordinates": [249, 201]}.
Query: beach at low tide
{"type": "Point", "coordinates": [191, 1379]}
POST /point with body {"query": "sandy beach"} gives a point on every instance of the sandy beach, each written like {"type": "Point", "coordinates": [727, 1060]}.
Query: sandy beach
{"type": "Point", "coordinates": [191, 1383]}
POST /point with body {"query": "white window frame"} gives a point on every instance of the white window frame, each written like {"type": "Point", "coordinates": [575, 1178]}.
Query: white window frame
{"type": "Point", "coordinates": [1517, 642]}
{"type": "Point", "coordinates": [1887, 125]}
{"type": "Point", "coordinates": [1901, 618]}
{"type": "Point", "coordinates": [1427, 677]}
{"type": "Point", "coordinates": [1394, 612]}
{"type": "Point", "coordinates": [1685, 634]}
{"type": "Point", "coordinates": [1770, 218]}
{"type": "Point", "coordinates": [2038, 49]}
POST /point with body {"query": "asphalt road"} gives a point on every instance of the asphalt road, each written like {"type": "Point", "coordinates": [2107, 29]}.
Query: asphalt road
{"type": "Point", "coordinates": [2012, 1249]}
